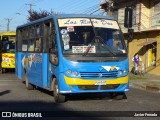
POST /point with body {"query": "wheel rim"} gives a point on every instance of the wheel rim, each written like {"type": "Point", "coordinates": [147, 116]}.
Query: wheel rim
{"type": "Point", "coordinates": [56, 90]}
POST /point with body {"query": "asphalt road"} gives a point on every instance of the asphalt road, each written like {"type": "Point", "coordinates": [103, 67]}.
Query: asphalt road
{"type": "Point", "coordinates": [15, 97]}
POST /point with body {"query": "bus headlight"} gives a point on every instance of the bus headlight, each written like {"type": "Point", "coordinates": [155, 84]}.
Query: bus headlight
{"type": "Point", "coordinates": [120, 72]}
{"type": "Point", "coordinates": [68, 71]}
{"type": "Point", "coordinates": [125, 71]}
{"type": "Point", "coordinates": [75, 73]}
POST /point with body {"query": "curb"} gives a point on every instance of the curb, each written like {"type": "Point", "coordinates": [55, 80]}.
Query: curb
{"type": "Point", "coordinates": [153, 88]}
{"type": "Point", "coordinates": [146, 86]}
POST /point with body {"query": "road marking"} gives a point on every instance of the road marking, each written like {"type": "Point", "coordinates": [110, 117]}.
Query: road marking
{"type": "Point", "coordinates": [4, 84]}
{"type": "Point", "coordinates": [5, 80]}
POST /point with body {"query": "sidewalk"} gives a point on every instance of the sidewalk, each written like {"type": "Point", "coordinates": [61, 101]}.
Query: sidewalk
{"type": "Point", "coordinates": [151, 83]}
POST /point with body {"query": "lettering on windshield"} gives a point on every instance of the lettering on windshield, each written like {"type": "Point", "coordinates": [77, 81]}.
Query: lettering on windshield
{"type": "Point", "coordinates": [70, 22]}
{"type": "Point", "coordinates": [104, 22]}
{"type": "Point", "coordinates": [87, 22]}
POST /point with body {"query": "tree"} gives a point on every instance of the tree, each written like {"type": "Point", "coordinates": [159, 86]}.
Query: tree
{"type": "Point", "coordinates": [35, 15]}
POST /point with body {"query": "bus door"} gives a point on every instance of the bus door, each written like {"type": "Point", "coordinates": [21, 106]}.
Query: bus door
{"type": "Point", "coordinates": [50, 46]}
{"type": "Point", "coordinates": [35, 57]}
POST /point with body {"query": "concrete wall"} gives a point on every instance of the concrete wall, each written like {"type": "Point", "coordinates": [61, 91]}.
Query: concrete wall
{"type": "Point", "coordinates": [143, 31]}
{"type": "Point", "coordinates": [145, 14]}
{"type": "Point", "coordinates": [143, 50]}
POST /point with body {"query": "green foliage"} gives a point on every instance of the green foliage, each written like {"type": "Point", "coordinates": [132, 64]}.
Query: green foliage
{"type": "Point", "coordinates": [158, 21]}
{"type": "Point", "coordinates": [35, 15]}
{"type": "Point", "coordinates": [137, 77]}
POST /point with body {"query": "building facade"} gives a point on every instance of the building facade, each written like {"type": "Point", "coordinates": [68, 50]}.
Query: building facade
{"type": "Point", "coordinates": [146, 26]}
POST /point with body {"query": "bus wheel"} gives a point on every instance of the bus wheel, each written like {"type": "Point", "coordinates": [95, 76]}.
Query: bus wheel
{"type": "Point", "coordinates": [58, 98]}
{"type": "Point", "coordinates": [118, 95]}
{"type": "Point", "coordinates": [27, 84]}
{"type": "Point", "coordinates": [3, 70]}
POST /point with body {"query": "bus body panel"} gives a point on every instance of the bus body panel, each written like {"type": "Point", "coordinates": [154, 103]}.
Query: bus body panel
{"type": "Point", "coordinates": [18, 62]}
{"type": "Point", "coordinates": [90, 73]}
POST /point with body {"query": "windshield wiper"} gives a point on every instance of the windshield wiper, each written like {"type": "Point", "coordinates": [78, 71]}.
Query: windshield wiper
{"type": "Point", "coordinates": [90, 45]}
{"type": "Point", "coordinates": [99, 38]}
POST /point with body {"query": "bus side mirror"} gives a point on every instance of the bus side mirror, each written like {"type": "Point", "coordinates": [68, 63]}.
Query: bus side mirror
{"type": "Point", "coordinates": [53, 49]}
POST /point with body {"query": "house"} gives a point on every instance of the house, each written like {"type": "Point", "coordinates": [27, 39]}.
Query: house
{"type": "Point", "coordinates": [146, 26]}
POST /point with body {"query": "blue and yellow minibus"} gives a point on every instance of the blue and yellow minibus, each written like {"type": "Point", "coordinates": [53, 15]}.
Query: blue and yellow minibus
{"type": "Point", "coordinates": [73, 54]}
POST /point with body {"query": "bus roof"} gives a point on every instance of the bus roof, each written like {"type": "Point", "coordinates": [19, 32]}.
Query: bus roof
{"type": "Point", "coordinates": [8, 33]}
{"type": "Point", "coordinates": [67, 16]}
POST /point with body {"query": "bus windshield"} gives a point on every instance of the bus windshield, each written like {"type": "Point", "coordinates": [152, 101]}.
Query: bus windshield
{"type": "Point", "coordinates": [91, 36]}
{"type": "Point", "coordinates": [7, 45]}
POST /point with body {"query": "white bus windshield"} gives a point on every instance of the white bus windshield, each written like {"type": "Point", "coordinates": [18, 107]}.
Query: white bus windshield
{"type": "Point", "coordinates": [100, 36]}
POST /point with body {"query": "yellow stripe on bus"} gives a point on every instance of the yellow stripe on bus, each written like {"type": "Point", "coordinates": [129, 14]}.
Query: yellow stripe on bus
{"type": "Point", "coordinates": [80, 81]}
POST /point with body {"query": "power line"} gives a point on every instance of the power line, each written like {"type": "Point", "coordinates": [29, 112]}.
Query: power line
{"type": "Point", "coordinates": [30, 6]}
{"type": "Point", "coordinates": [95, 11]}
{"type": "Point", "coordinates": [91, 9]}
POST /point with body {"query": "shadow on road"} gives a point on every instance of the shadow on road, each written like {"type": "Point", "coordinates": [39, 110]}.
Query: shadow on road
{"type": "Point", "coordinates": [4, 92]}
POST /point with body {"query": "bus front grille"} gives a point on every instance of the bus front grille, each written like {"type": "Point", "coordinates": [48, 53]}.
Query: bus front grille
{"type": "Point", "coordinates": [111, 74]}
{"type": "Point", "coordinates": [109, 87]}
{"type": "Point", "coordinates": [88, 87]}
{"type": "Point", "coordinates": [95, 87]}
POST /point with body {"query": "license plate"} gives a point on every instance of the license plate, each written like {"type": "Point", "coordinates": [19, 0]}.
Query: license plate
{"type": "Point", "coordinates": [101, 82]}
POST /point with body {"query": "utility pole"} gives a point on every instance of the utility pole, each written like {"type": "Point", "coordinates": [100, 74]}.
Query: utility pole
{"type": "Point", "coordinates": [107, 6]}
{"type": "Point", "coordinates": [8, 23]}
{"type": "Point", "coordinates": [30, 6]}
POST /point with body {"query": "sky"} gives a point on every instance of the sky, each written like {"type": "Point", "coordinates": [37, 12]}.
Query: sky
{"type": "Point", "coordinates": [17, 10]}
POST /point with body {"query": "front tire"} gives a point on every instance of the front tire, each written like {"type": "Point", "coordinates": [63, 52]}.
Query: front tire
{"type": "Point", "coordinates": [3, 70]}
{"type": "Point", "coordinates": [58, 98]}
{"type": "Point", "coordinates": [118, 95]}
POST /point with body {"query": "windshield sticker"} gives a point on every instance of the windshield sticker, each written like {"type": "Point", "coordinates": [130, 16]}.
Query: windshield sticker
{"type": "Point", "coordinates": [83, 49]}
{"type": "Point", "coordinates": [87, 22]}
{"type": "Point", "coordinates": [70, 29]}
{"type": "Point", "coordinates": [63, 31]}
{"type": "Point", "coordinates": [66, 39]}
{"type": "Point", "coordinates": [66, 47]}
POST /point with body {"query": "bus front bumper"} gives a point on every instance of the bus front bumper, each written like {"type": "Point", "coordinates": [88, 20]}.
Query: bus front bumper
{"type": "Point", "coordinates": [79, 85]}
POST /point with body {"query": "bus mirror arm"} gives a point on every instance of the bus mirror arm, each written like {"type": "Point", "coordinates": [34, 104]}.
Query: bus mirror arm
{"type": "Point", "coordinates": [52, 50]}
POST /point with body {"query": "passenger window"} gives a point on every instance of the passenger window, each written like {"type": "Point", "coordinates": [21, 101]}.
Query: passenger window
{"type": "Point", "coordinates": [38, 45]}
{"type": "Point", "coordinates": [31, 45]}
{"type": "Point", "coordinates": [24, 39]}
{"type": "Point", "coordinates": [47, 33]}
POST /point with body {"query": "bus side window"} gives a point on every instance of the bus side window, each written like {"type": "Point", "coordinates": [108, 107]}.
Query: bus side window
{"type": "Point", "coordinates": [38, 44]}
{"type": "Point", "coordinates": [19, 40]}
{"type": "Point", "coordinates": [46, 38]}
{"type": "Point", "coordinates": [49, 41]}
{"type": "Point", "coordinates": [38, 40]}
{"type": "Point", "coordinates": [31, 45]}
{"type": "Point", "coordinates": [24, 40]}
